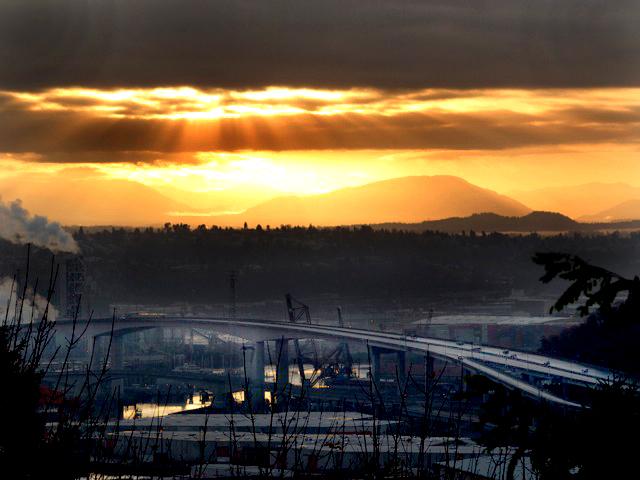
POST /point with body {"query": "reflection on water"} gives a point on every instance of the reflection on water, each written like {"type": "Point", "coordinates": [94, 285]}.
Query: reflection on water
{"type": "Point", "coordinates": [150, 410]}
{"type": "Point", "coordinates": [359, 371]}
{"type": "Point", "coordinates": [238, 396]}
{"type": "Point", "coordinates": [310, 373]}
{"type": "Point", "coordinates": [102, 476]}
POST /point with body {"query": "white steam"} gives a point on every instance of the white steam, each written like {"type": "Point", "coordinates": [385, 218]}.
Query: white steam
{"type": "Point", "coordinates": [33, 307]}
{"type": "Point", "coordinates": [18, 226]}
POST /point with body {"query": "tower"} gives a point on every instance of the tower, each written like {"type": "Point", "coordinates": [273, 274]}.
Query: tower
{"type": "Point", "coordinates": [70, 286]}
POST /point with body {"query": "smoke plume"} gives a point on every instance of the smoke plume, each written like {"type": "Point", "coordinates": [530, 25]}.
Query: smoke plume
{"type": "Point", "coordinates": [9, 297]}
{"type": "Point", "coordinates": [19, 226]}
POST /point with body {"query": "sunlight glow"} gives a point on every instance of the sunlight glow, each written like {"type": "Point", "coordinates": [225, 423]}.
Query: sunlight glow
{"type": "Point", "coordinates": [217, 151]}
{"type": "Point", "coordinates": [299, 174]}
{"type": "Point", "coordinates": [187, 103]}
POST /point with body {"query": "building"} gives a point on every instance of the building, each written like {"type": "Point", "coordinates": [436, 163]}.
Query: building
{"type": "Point", "coordinates": [70, 286]}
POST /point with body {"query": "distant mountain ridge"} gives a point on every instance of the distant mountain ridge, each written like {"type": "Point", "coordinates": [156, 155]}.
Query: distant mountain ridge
{"type": "Point", "coordinates": [98, 201]}
{"type": "Point", "coordinates": [445, 203]}
{"type": "Point", "coordinates": [629, 210]}
{"type": "Point", "coordinates": [490, 222]}
{"type": "Point", "coordinates": [580, 201]}
{"type": "Point", "coordinates": [406, 199]}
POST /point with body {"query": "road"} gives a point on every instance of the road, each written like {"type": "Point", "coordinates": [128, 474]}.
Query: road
{"type": "Point", "coordinates": [501, 365]}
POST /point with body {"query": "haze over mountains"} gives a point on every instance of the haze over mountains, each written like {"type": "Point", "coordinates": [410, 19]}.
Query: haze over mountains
{"type": "Point", "coordinates": [99, 201]}
{"type": "Point", "coordinates": [541, 222]}
{"type": "Point", "coordinates": [589, 199]}
{"type": "Point", "coordinates": [407, 199]}
{"type": "Point", "coordinates": [81, 200]}
{"type": "Point", "coordinates": [628, 210]}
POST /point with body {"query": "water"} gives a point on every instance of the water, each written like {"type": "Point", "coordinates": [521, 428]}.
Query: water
{"type": "Point", "coordinates": [360, 371]}
{"type": "Point", "coordinates": [153, 409]}
{"type": "Point", "coordinates": [310, 373]}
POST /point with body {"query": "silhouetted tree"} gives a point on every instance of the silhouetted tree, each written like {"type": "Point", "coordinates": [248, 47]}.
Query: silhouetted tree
{"type": "Point", "coordinates": [600, 286]}
{"type": "Point", "coordinates": [611, 332]}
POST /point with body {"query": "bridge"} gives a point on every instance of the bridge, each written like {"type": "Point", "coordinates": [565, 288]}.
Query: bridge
{"type": "Point", "coordinates": [511, 368]}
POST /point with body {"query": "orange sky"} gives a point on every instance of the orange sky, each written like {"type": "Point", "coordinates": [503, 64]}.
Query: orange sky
{"type": "Point", "coordinates": [218, 150]}
{"type": "Point", "coordinates": [211, 107]}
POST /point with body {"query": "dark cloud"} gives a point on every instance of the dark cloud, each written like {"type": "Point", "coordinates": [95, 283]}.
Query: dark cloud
{"type": "Point", "coordinates": [331, 43]}
{"type": "Point", "coordinates": [76, 137]}
{"type": "Point", "coordinates": [621, 116]}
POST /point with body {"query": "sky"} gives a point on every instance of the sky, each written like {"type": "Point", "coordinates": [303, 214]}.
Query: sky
{"type": "Point", "coordinates": [223, 104]}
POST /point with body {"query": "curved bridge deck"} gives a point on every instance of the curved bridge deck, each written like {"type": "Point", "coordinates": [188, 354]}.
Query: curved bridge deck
{"type": "Point", "coordinates": [495, 363]}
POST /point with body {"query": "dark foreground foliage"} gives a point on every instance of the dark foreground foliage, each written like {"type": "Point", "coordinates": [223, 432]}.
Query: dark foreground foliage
{"type": "Point", "coordinates": [584, 444]}
{"type": "Point", "coordinates": [611, 333]}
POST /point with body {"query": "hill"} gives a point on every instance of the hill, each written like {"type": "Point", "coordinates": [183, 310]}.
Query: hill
{"type": "Point", "coordinates": [578, 201]}
{"type": "Point", "coordinates": [76, 201]}
{"type": "Point", "coordinates": [490, 222]}
{"type": "Point", "coordinates": [629, 210]}
{"type": "Point", "coordinates": [406, 199]}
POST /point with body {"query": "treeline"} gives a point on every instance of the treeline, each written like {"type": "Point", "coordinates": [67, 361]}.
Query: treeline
{"type": "Point", "coordinates": [176, 263]}
{"type": "Point", "coordinates": [533, 222]}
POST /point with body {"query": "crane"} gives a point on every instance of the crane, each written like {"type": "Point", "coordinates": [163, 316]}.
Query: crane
{"type": "Point", "coordinates": [296, 311]}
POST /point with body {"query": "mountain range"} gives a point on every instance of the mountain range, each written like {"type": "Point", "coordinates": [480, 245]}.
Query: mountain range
{"type": "Point", "coordinates": [74, 201]}
{"type": "Point", "coordinates": [93, 200]}
{"type": "Point", "coordinates": [587, 201]}
{"type": "Point", "coordinates": [541, 222]}
{"type": "Point", "coordinates": [628, 210]}
{"type": "Point", "coordinates": [406, 199]}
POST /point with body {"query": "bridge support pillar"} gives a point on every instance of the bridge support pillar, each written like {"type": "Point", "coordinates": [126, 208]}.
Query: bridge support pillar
{"type": "Point", "coordinates": [117, 360]}
{"type": "Point", "coordinates": [565, 390]}
{"type": "Point", "coordinates": [463, 379]}
{"type": "Point", "coordinates": [97, 347]}
{"type": "Point", "coordinates": [282, 368]}
{"type": "Point", "coordinates": [484, 334]}
{"type": "Point", "coordinates": [89, 347]}
{"type": "Point", "coordinates": [374, 368]}
{"type": "Point", "coordinates": [428, 368]}
{"type": "Point", "coordinates": [190, 349]}
{"type": "Point", "coordinates": [401, 365]}
{"type": "Point", "coordinates": [256, 377]}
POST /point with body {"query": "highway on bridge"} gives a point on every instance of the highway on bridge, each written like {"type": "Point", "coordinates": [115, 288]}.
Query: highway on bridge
{"type": "Point", "coordinates": [499, 364]}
